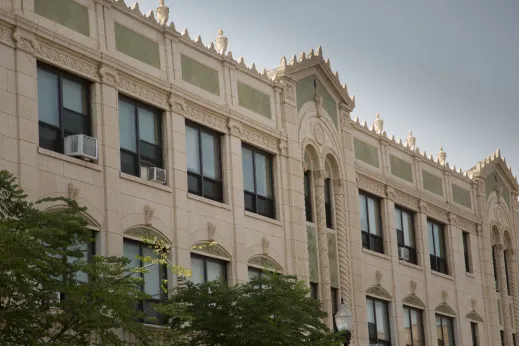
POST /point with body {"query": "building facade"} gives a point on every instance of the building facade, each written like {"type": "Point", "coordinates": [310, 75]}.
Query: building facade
{"type": "Point", "coordinates": [193, 146]}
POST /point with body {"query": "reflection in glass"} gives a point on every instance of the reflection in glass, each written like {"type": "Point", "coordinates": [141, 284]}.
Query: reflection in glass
{"type": "Point", "coordinates": [127, 126]}
{"type": "Point", "coordinates": [73, 96]}
{"type": "Point", "coordinates": [148, 127]}
{"type": "Point", "coordinates": [248, 174]}
{"type": "Point", "coordinates": [210, 156]}
{"type": "Point", "coordinates": [48, 107]}
{"type": "Point", "coordinates": [193, 150]}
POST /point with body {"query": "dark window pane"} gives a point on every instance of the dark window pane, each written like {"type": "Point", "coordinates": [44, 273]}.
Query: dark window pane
{"type": "Point", "coordinates": [193, 183]}
{"type": "Point", "coordinates": [254, 272]}
{"type": "Point", "coordinates": [129, 164]}
{"type": "Point", "coordinates": [212, 190]}
{"type": "Point", "coordinates": [308, 197]}
{"type": "Point", "coordinates": [250, 201]}
{"type": "Point", "coordinates": [364, 226]}
{"type": "Point", "coordinates": [313, 290]}
{"type": "Point", "coordinates": [75, 123]}
{"type": "Point", "coordinates": [127, 126]}
{"type": "Point", "coordinates": [48, 100]}
{"type": "Point", "coordinates": [265, 206]}
{"type": "Point", "coordinates": [151, 315]}
{"type": "Point", "coordinates": [50, 138]}
{"type": "Point", "coordinates": [365, 240]}
{"type": "Point", "coordinates": [151, 153]}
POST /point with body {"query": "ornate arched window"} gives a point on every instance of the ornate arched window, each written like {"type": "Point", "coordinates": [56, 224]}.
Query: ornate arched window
{"type": "Point", "coordinates": [209, 261]}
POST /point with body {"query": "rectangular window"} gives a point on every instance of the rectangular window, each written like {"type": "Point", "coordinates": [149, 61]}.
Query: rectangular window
{"type": "Point", "coordinates": [328, 202]}
{"type": "Point", "coordinates": [205, 269]}
{"type": "Point", "coordinates": [258, 181]}
{"type": "Point", "coordinates": [308, 197]}
{"type": "Point", "coordinates": [204, 172]}
{"type": "Point", "coordinates": [445, 331]}
{"type": "Point", "coordinates": [153, 280]}
{"type": "Point", "coordinates": [494, 266]}
{"type": "Point", "coordinates": [378, 321]}
{"type": "Point", "coordinates": [335, 305]}
{"type": "Point", "coordinates": [437, 249]}
{"type": "Point", "coordinates": [314, 291]}
{"type": "Point", "coordinates": [507, 276]}
{"type": "Point", "coordinates": [413, 325]}
{"type": "Point", "coordinates": [63, 107]}
{"type": "Point", "coordinates": [140, 131]}
{"type": "Point", "coordinates": [370, 223]}
{"type": "Point", "coordinates": [405, 232]}
{"type": "Point", "coordinates": [466, 252]}
{"type": "Point", "coordinates": [513, 338]}
{"type": "Point", "coordinates": [474, 332]}
{"type": "Point", "coordinates": [502, 333]}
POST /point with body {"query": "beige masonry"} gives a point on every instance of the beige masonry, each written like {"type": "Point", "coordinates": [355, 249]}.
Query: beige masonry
{"type": "Point", "coordinates": [303, 128]}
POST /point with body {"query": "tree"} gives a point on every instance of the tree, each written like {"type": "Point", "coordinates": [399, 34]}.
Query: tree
{"type": "Point", "coordinates": [44, 299]}
{"type": "Point", "coordinates": [269, 310]}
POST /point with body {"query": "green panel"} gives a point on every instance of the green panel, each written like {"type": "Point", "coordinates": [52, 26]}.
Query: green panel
{"type": "Point", "coordinates": [137, 46]}
{"type": "Point", "coordinates": [401, 168]}
{"type": "Point", "coordinates": [461, 196]}
{"type": "Point", "coordinates": [366, 152]}
{"type": "Point", "coordinates": [254, 100]}
{"type": "Point", "coordinates": [332, 255]}
{"type": "Point", "coordinates": [65, 12]}
{"type": "Point", "coordinates": [200, 75]}
{"type": "Point", "coordinates": [305, 91]}
{"type": "Point", "coordinates": [432, 183]}
{"type": "Point", "coordinates": [491, 184]}
{"type": "Point", "coordinates": [312, 253]}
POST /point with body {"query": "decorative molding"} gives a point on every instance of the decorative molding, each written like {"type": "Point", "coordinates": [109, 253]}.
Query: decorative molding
{"type": "Point", "coordinates": [406, 200]}
{"type": "Point", "coordinates": [177, 103]}
{"type": "Point", "coordinates": [25, 40]}
{"type": "Point", "coordinates": [370, 185]}
{"type": "Point", "coordinates": [445, 309]}
{"type": "Point", "coordinates": [466, 225]}
{"type": "Point", "coordinates": [445, 295]}
{"type": "Point", "coordinates": [211, 249]}
{"type": "Point", "coordinates": [390, 193]}
{"type": "Point", "coordinates": [143, 91]}
{"type": "Point", "coordinates": [319, 133]}
{"type": "Point", "coordinates": [380, 292]}
{"type": "Point", "coordinates": [338, 183]}
{"type": "Point", "coordinates": [413, 300]}
{"type": "Point", "coordinates": [289, 94]}
{"type": "Point", "coordinates": [265, 262]}
{"type": "Point", "coordinates": [283, 146]}
{"type": "Point", "coordinates": [108, 75]}
{"type": "Point", "coordinates": [141, 232]}
{"type": "Point", "coordinates": [474, 316]}
{"type": "Point", "coordinates": [235, 128]}
{"type": "Point", "coordinates": [6, 36]}
{"type": "Point", "coordinates": [206, 118]}
{"type": "Point", "coordinates": [73, 191]}
{"type": "Point", "coordinates": [320, 175]}
{"type": "Point", "coordinates": [413, 287]}
{"type": "Point", "coordinates": [453, 219]}
{"type": "Point", "coordinates": [261, 139]}
{"type": "Point", "coordinates": [378, 275]}
{"type": "Point", "coordinates": [265, 246]}
{"type": "Point", "coordinates": [437, 213]}
{"type": "Point", "coordinates": [211, 231]}
{"type": "Point", "coordinates": [148, 215]}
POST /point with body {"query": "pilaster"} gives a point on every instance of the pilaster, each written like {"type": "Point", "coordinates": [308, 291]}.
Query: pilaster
{"type": "Point", "coordinates": [503, 290]}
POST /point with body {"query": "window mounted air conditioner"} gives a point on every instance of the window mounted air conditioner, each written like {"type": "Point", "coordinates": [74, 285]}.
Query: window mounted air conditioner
{"type": "Point", "coordinates": [157, 175]}
{"type": "Point", "coordinates": [403, 253]}
{"type": "Point", "coordinates": [81, 146]}
{"type": "Point", "coordinates": [496, 284]}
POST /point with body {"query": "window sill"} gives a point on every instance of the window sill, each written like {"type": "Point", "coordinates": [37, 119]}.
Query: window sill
{"type": "Point", "coordinates": [409, 264]}
{"type": "Point", "coordinates": [263, 218]}
{"type": "Point", "coordinates": [470, 274]}
{"type": "Point", "coordinates": [374, 253]}
{"type": "Point", "coordinates": [70, 159]}
{"type": "Point", "coordinates": [445, 276]}
{"type": "Point", "coordinates": [208, 201]}
{"type": "Point", "coordinates": [144, 182]}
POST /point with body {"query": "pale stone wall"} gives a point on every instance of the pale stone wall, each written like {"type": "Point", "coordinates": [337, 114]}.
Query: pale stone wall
{"type": "Point", "coordinates": [117, 202]}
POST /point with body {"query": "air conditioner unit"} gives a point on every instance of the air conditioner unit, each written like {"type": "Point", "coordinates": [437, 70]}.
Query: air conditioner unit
{"type": "Point", "coordinates": [403, 253]}
{"type": "Point", "coordinates": [81, 146]}
{"type": "Point", "coordinates": [496, 284]}
{"type": "Point", "coordinates": [157, 175]}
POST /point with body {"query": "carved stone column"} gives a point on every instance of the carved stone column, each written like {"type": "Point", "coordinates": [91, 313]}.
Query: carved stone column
{"type": "Point", "coordinates": [503, 289]}
{"type": "Point", "coordinates": [515, 288]}
{"type": "Point", "coordinates": [322, 239]}
{"type": "Point", "coordinates": [344, 244]}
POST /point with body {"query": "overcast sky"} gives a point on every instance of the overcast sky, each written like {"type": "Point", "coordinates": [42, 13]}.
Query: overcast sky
{"type": "Point", "coordinates": [448, 70]}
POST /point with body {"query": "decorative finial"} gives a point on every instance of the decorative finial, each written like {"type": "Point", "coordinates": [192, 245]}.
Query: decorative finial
{"type": "Point", "coordinates": [379, 277]}
{"type": "Point", "coordinates": [211, 231]}
{"type": "Point", "coordinates": [413, 287]}
{"type": "Point", "coordinates": [319, 51]}
{"type": "Point", "coordinates": [411, 140]}
{"type": "Point", "coordinates": [162, 13]}
{"type": "Point", "coordinates": [293, 60]}
{"type": "Point", "coordinates": [442, 156]}
{"type": "Point", "coordinates": [378, 124]}
{"type": "Point", "coordinates": [445, 295]}
{"type": "Point", "coordinates": [474, 304]}
{"type": "Point", "coordinates": [221, 42]}
{"type": "Point", "coordinates": [265, 246]}
{"type": "Point", "coordinates": [283, 62]}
